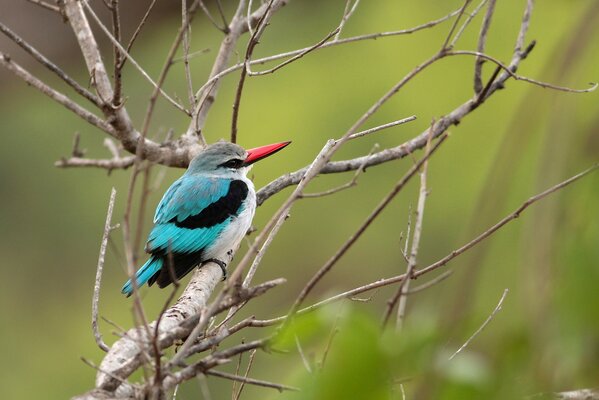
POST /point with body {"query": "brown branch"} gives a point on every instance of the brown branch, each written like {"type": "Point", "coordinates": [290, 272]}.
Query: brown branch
{"type": "Point", "coordinates": [455, 24]}
{"type": "Point", "coordinates": [116, 32]}
{"type": "Point", "coordinates": [503, 222]}
{"type": "Point", "coordinates": [418, 142]}
{"type": "Point", "coordinates": [235, 29]}
{"type": "Point", "coordinates": [123, 51]}
{"type": "Point", "coordinates": [247, 371]}
{"type": "Point", "coordinates": [517, 77]}
{"type": "Point", "coordinates": [418, 273]}
{"type": "Point", "coordinates": [462, 29]}
{"type": "Point", "coordinates": [262, 23]}
{"type": "Point", "coordinates": [211, 18]}
{"type": "Point", "coordinates": [137, 32]}
{"type": "Point", "coordinates": [292, 59]}
{"type": "Point", "coordinates": [355, 236]}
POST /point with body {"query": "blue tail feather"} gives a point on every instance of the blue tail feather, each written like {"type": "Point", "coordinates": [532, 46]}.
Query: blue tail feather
{"type": "Point", "coordinates": [144, 274]}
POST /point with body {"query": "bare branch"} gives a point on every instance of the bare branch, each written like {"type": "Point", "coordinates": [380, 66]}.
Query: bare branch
{"type": "Point", "coordinates": [137, 31]}
{"type": "Point", "coordinates": [292, 59]}
{"type": "Point", "coordinates": [430, 283]}
{"type": "Point", "coordinates": [302, 355]}
{"type": "Point", "coordinates": [455, 24]}
{"type": "Point", "coordinates": [381, 127]}
{"type": "Point", "coordinates": [109, 164]}
{"type": "Point", "coordinates": [50, 65]}
{"type": "Point", "coordinates": [116, 32]}
{"type": "Point", "coordinates": [221, 71]}
{"type": "Point", "coordinates": [517, 77]}
{"type": "Point", "coordinates": [351, 183]}
{"type": "Point", "coordinates": [469, 19]}
{"type": "Point", "coordinates": [355, 236]}
{"type": "Point", "coordinates": [223, 28]}
{"type": "Point", "coordinates": [503, 222]}
{"type": "Point", "coordinates": [185, 23]}
{"type": "Point", "coordinates": [480, 328]}
{"type": "Point", "coordinates": [347, 13]}
{"type": "Point", "coordinates": [124, 52]}
{"type": "Point", "coordinates": [482, 41]}
{"type": "Point", "coordinates": [404, 285]}
{"type": "Point", "coordinates": [418, 273]}
{"type": "Point", "coordinates": [45, 5]}
{"type": "Point", "coordinates": [101, 257]}
{"type": "Point", "coordinates": [235, 29]}
{"type": "Point", "coordinates": [250, 381]}
{"type": "Point", "coordinates": [262, 23]}
{"type": "Point", "coordinates": [60, 98]}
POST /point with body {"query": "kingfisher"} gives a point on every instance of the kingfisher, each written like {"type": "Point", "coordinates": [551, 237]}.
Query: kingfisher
{"type": "Point", "coordinates": [203, 214]}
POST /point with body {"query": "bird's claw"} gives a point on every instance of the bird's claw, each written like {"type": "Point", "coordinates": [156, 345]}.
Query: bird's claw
{"type": "Point", "coordinates": [221, 264]}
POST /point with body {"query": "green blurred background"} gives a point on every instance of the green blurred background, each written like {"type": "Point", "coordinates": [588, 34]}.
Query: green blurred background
{"type": "Point", "coordinates": [521, 141]}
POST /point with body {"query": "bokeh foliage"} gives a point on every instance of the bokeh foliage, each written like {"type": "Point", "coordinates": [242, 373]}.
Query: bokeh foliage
{"type": "Point", "coordinates": [523, 140]}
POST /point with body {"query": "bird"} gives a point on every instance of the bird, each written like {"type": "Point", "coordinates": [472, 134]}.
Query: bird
{"type": "Point", "coordinates": [203, 214]}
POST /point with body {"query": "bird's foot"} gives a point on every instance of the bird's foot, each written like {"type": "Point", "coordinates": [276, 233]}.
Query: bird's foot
{"type": "Point", "coordinates": [221, 264]}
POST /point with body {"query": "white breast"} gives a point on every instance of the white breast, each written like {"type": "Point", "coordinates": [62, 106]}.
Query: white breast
{"type": "Point", "coordinates": [233, 234]}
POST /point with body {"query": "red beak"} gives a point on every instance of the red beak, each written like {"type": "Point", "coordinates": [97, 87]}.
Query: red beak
{"type": "Point", "coordinates": [262, 152]}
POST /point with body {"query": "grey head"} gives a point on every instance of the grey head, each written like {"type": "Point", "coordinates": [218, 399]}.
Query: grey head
{"type": "Point", "coordinates": [220, 158]}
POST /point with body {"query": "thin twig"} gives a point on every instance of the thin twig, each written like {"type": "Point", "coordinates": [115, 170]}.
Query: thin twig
{"type": "Point", "coordinates": [99, 269]}
{"type": "Point", "coordinates": [371, 36]}
{"type": "Point", "coordinates": [138, 31]}
{"type": "Point", "coordinates": [353, 182]}
{"type": "Point", "coordinates": [211, 18]}
{"type": "Point", "coordinates": [208, 91]}
{"type": "Point", "coordinates": [251, 381]}
{"type": "Point", "coordinates": [469, 19]}
{"type": "Point", "coordinates": [356, 235]}
{"type": "Point", "coordinates": [292, 59]}
{"type": "Point", "coordinates": [332, 335]}
{"type": "Point", "coordinates": [254, 40]}
{"type": "Point", "coordinates": [186, 44]}
{"type": "Point", "coordinates": [517, 77]}
{"type": "Point", "coordinates": [302, 355]}
{"type": "Point", "coordinates": [430, 283]}
{"type": "Point", "coordinates": [347, 13]}
{"type": "Point", "coordinates": [45, 5]}
{"type": "Point", "coordinates": [418, 273]}
{"type": "Point", "coordinates": [404, 252]}
{"type": "Point", "coordinates": [482, 41]}
{"type": "Point", "coordinates": [455, 24]}
{"type": "Point", "coordinates": [503, 222]}
{"type": "Point", "coordinates": [247, 371]}
{"type": "Point", "coordinates": [381, 127]}
{"type": "Point", "coordinates": [404, 285]}
{"type": "Point", "coordinates": [480, 328]}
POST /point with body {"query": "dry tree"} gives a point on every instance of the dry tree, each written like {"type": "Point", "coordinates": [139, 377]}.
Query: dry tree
{"type": "Point", "coordinates": [192, 318]}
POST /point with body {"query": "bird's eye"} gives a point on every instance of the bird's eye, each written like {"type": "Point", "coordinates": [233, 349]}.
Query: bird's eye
{"type": "Point", "coordinates": [233, 163]}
